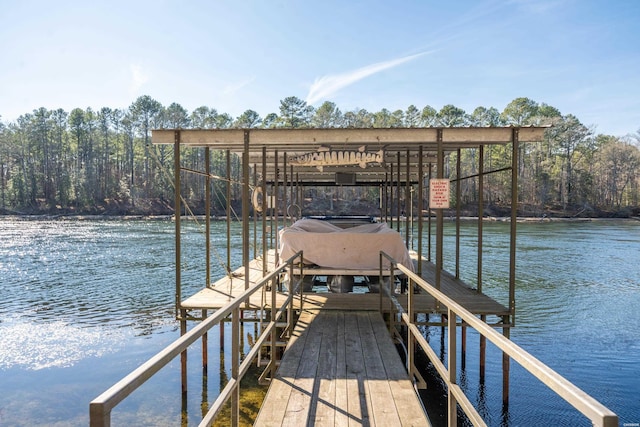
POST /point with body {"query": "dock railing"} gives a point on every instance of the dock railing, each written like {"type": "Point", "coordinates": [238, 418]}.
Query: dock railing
{"type": "Point", "coordinates": [100, 408]}
{"type": "Point", "coordinates": [585, 404]}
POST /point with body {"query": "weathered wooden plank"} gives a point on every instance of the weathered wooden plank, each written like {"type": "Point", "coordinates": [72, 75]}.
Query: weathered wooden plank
{"type": "Point", "coordinates": [383, 409]}
{"type": "Point", "coordinates": [404, 395]}
{"type": "Point", "coordinates": [279, 392]}
{"type": "Point", "coordinates": [358, 401]}
{"type": "Point", "coordinates": [341, 400]}
{"type": "Point", "coordinates": [301, 397]}
{"type": "Point", "coordinates": [323, 407]}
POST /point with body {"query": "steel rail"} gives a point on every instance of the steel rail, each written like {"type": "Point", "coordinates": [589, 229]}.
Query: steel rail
{"type": "Point", "coordinates": [597, 413]}
{"type": "Point", "coordinates": [100, 408]}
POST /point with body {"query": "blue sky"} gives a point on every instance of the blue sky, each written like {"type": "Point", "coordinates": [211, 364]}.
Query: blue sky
{"type": "Point", "coordinates": [580, 56]}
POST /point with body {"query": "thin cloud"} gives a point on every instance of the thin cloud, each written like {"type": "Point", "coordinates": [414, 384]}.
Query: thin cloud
{"type": "Point", "coordinates": [138, 78]}
{"type": "Point", "coordinates": [234, 87]}
{"type": "Point", "coordinates": [326, 86]}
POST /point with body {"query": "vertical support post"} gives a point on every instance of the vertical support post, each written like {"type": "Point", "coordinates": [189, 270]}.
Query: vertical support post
{"type": "Point", "coordinates": [514, 219]}
{"type": "Point", "coordinates": [177, 210]}
{"type": "Point", "coordinates": [506, 331]}
{"type": "Point", "coordinates": [205, 348]}
{"type": "Point", "coordinates": [300, 291]}
{"type": "Point", "coordinates": [420, 206]}
{"type": "Point", "coordinates": [207, 208]}
{"type": "Point", "coordinates": [276, 174]}
{"type": "Point", "coordinates": [483, 339]}
{"type": "Point", "coordinates": [391, 197]}
{"type": "Point", "coordinates": [458, 201]}
{"type": "Point", "coordinates": [398, 206]}
{"type": "Point", "coordinates": [183, 355]}
{"type": "Point", "coordinates": [235, 364]}
{"type": "Point", "coordinates": [228, 213]}
{"type": "Point", "coordinates": [207, 215]}
{"type": "Point", "coordinates": [274, 330]}
{"type": "Point", "coordinates": [483, 353]}
{"type": "Point", "coordinates": [245, 209]}
{"type": "Point", "coordinates": [294, 190]}
{"type": "Point", "coordinates": [181, 313]}
{"type": "Point", "coordinates": [407, 200]}
{"type": "Point", "coordinates": [410, 339]}
{"type": "Point", "coordinates": [285, 183]}
{"type": "Point", "coordinates": [385, 198]}
{"type": "Point", "coordinates": [480, 214]}
{"type": "Point", "coordinates": [452, 413]}
{"type": "Point", "coordinates": [439, 215]}
{"type": "Point", "coordinates": [463, 343]}
{"type": "Point", "coordinates": [429, 214]}
{"type": "Point", "coordinates": [291, 296]}
{"type": "Point", "coordinates": [264, 210]}
{"type": "Point", "coordinates": [392, 282]}
{"type": "Point", "coordinates": [255, 215]}
{"type": "Point", "coordinates": [380, 281]}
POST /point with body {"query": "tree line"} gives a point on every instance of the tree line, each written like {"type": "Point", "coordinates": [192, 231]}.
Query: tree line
{"type": "Point", "coordinates": [86, 161]}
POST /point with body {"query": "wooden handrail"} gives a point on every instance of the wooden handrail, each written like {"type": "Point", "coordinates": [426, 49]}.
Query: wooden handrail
{"type": "Point", "coordinates": [100, 408]}
{"type": "Point", "coordinates": [585, 404]}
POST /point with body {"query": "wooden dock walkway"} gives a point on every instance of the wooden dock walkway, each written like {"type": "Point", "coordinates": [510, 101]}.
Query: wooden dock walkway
{"type": "Point", "coordinates": [341, 368]}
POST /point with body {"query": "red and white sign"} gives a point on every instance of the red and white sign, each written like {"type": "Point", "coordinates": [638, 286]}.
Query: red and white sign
{"type": "Point", "coordinates": [439, 193]}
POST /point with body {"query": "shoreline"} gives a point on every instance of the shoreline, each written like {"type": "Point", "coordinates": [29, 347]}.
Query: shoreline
{"type": "Point", "coordinates": [448, 218]}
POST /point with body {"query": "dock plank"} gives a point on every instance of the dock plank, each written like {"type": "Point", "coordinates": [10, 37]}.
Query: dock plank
{"type": "Point", "coordinates": [324, 409]}
{"type": "Point", "coordinates": [382, 406]}
{"type": "Point", "coordinates": [347, 372]}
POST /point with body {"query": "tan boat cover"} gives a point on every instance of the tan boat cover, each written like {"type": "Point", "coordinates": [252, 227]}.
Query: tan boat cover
{"type": "Point", "coordinates": [327, 245]}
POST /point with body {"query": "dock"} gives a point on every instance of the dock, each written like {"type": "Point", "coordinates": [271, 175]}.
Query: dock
{"type": "Point", "coordinates": [340, 365]}
{"type": "Point", "coordinates": [341, 368]}
{"type": "Point", "coordinates": [225, 289]}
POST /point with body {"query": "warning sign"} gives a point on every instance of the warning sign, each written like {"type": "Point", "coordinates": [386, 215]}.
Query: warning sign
{"type": "Point", "coordinates": [439, 194]}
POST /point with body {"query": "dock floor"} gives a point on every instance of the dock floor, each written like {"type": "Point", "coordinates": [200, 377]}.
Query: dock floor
{"type": "Point", "coordinates": [227, 288]}
{"type": "Point", "coordinates": [341, 368]}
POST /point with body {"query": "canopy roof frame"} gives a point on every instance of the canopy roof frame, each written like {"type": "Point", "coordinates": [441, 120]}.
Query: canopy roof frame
{"type": "Point", "coordinates": [400, 145]}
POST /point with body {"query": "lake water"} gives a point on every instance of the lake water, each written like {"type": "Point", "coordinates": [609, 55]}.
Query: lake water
{"type": "Point", "coordinates": [82, 303]}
